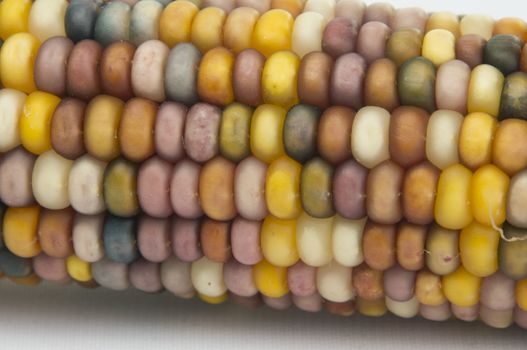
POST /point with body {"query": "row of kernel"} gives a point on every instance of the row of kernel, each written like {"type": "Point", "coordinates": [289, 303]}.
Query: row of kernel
{"type": "Point", "coordinates": [439, 45]}
{"type": "Point", "coordinates": [42, 18]}
{"type": "Point", "coordinates": [41, 120]}
{"type": "Point", "coordinates": [496, 300]}
{"type": "Point", "coordinates": [63, 271]}
{"type": "Point", "coordinates": [217, 23]}
{"type": "Point", "coordinates": [153, 242]}
{"type": "Point", "coordinates": [59, 233]}
{"type": "Point", "coordinates": [323, 24]}
{"type": "Point", "coordinates": [123, 71]}
{"type": "Point", "coordinates": [182, 21]}
{"type": "Point", "coordinates": [54, 159]}
{"type": "Point", "coordinates": [440, 245]}
{"type": "Point", "coordinates": [310, 186]}
{"type": "Point", "coordinates": [402, 292]}
{"type": "Point", "coordinates": [30, 231]}
{"type": "Point", "coordinates": [78, 18]}
{"type": "Point", "coordinates": [451, 210]}
{"type": "Point", "coordinates": [339, 37]}
{"type": "Point", "coordinates": [221, 189]}
{"type": "Point", "coordinates": [316, 242]}
{"type": "Point", "coordinates": [460, 277]}
{"type": "Point", "coordinates": [148, 20]}
{"type": "Point", "coordinates": [179, 21]}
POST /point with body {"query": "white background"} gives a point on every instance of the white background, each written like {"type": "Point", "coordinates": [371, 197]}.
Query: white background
{"type": "Point", "coordinates": [53, 317]}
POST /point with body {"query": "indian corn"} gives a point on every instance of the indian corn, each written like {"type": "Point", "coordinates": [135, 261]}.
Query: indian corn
{"type": "Point", "coordinates": [320, 153]}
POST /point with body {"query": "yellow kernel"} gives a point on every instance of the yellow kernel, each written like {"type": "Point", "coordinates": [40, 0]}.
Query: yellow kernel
{"type": "Point", "coordinates": [484, 90]}
{"type": "Point", "coordinates": [35, 123]}
{"type": "Point", "coordinates": [428, 289]}
{"type": "Point", "coordinates": [481, 25]}
{"type": "Point", "coordinates": [272, 32]}
{"type": "Point", "coordinates": [278, 241]}
{"type": "Point", "coordinates": [20, 231]}
{"type": "Point", "coordinates": [176, 21]}
{"type": "Point", "coordinates": [452, 207]}
{"type": "Point", "coordinates": [488, 195]}
{"type": "Point", "coordinates": [279, 79]}
{"type": "Point", "coordinates": [462, 288]}
{"type": "Point", "coordinates": [101, 123]}
{"type": "Point", "coordinates": [270, 280]}
{"type": "Point", "coordinates": [17, 59]}
{"type": "Point", "coordinates": [14, 17]}
{"type": "Point", "coordinates": [443, 20]}
{"type": "Point", "coordinates": [282, 188]}
{"type": "Point", "coordinates": [78, 269]}
{"type": "Point", "coordinates": [371, 308]}
{"type": "Point", "coordinates": [215, 77]}
{"type": "Point", "coordinates": [267, 127]}
{"type": "Point", "coordinates": [521, 294]}
{"type": "Point", "coordinates": [475, 139]}
{"type": "Point", "coordinates": [239, 27]}
{"type": "Point", "coordinates": [478, 246]}
{"type": "Point", "coordinates": [207, 28]}
{"type": "Point", "coordinates": [294, 7]}
{"type": "Point", "coordinates": [214, 300]}
{"type": "Point", "coordinates": [31, 280]}
{"type": "Point", "coordinates": [439, 46]}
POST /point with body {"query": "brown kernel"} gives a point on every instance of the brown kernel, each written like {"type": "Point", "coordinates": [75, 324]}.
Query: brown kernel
{"type": "Point", "coordinates": [136, 129]}
{"type": "Point", "coordinates": [116, 70]}
{"type": "Point", "coordinates": [418, 193]}
{"type": "Point", "coordinates": [509, 148]}
{"type": "Point", "coordinates": [341, 309]}
{"type": "Point", "coordinates": [215, 240]}
{"type": "Point", "coordinates": [380, 85]}
{"type": "Point", "coordinates": [410, 246]}
{"type": "Point", "coordinates": [407, 135]}
{"type": "Point", "coordinates": [378, 245]}
{"type": "Point", "coordinates": [368, 283]}
{"type": "Point", "coordinates": [313, 79]}
{"type": "Point", "coordinates": [383, 202]}
{"type": "Point", "coordinates": [334, 133]}
{"type": "Point", "coordinates": [55, 230]}
{"type": "Point", "coordinates": [216, 189]}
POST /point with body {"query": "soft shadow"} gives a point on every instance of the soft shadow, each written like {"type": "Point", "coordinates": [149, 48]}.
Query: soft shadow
{"type": "Point", "coordinates": [133, 320]}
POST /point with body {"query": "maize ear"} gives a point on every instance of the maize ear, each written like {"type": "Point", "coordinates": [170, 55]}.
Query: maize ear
{"type": "Point", "coordinates": [320, 153]}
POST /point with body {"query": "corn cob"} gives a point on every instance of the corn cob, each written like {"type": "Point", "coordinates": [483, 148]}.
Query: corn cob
{"type": "Point", "coordinates": [321, 154]}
